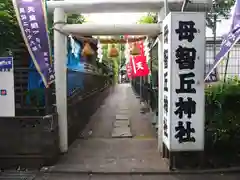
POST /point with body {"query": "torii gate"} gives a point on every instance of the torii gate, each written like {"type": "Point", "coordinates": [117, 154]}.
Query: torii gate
{"type": "Point", "coordinates": [60, 8]}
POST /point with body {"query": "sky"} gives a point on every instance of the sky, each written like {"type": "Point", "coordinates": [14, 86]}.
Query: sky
{"type": "Point", "coordinates": [114, 18]}
{"type": "Point", "coordinates": [131, 18]}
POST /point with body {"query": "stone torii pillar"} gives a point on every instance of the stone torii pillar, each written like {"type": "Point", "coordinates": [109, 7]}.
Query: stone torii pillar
{"type": "Point", "coordinates": [60, 57]}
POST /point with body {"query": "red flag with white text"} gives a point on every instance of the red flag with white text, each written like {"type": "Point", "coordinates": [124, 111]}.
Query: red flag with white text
{"type": "Point", "coordinates": [139, 66]}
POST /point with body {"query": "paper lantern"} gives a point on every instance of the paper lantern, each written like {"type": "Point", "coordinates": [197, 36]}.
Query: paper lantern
{"type": "Point", "coordinates": [87, 50]}
{"type": "Point", "coordinates": [135, 50]}
{"type": "Point", "coordinates": [113, 52]}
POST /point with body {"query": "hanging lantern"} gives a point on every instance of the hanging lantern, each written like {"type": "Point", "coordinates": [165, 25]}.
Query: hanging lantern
{"type": "Point", "coordinates": [87, 50]}
{"type": "Point", "coordinates": [113, 52]}
{"type": "Point", "coordinates": [134, 50]}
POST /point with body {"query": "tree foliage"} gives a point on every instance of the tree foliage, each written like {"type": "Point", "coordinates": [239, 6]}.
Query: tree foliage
{"type": "Point", "coordinates": [10, 34]}
{"type": "Point", "coordinates": [116, 63]}
{"type": "Point", "coordinates": [221, 9]}
{"type": "Point", "coordinates": [150, 18]}
{"type": "Point", "coordinates": [71, 19]}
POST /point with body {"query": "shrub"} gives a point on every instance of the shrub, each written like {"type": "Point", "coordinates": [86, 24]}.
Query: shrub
{"type": "Point", "coordinates": [222, 108]}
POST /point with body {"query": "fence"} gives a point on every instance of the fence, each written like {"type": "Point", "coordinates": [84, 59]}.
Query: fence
{"type": "Point", "coordinates": [86, 91]}
{"type": "Point", "coordinates": [34, 102]}
{"type": "Point", "coordinates": [148, 91]}
{"type": "Point", "coordinates": [233, 64]}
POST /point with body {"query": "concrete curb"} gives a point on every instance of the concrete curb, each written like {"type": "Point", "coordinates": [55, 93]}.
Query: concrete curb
{"type": "Point", "coordinates": [139, 172]}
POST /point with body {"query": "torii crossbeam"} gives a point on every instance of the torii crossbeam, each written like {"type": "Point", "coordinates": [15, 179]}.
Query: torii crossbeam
{"type": "Point", "coordinates": [114, 6]}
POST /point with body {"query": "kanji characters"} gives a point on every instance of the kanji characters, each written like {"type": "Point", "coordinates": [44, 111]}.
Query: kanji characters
{"type": "Point", "coordinates": [186, 57]}
{"type": "Point", "coordinates": [165, 127]}
{"type": "Point", "coordinates": [185, 107]}
{"type": "Point", "coordinates": [165, 81]}
{"type": "Point", "coordinates": [166, 31]}
{"type": "Point", "coordinates": [186, 82]}
{"type": "Point", "coordinates": [165, 104]}
{"type": "Point", "coordinates": [184, 133]}
{"type": "Point", "coordinates": [139, 66]}
{"type": "Point", "coordinates": [165, 58]}
{"type": "Point", "coordinates": [186, 30]}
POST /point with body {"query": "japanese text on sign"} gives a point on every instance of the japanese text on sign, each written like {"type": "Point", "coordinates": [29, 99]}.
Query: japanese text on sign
{"type": "Point", "coordinates": [185, 58]}
{"type": "Point", "coordinates": [166, 85]}
{"type": "Point", "coordinates": [31, 27]}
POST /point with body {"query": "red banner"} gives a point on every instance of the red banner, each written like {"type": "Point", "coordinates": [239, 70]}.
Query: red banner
{"type": "Point", "coordinates": [138, 63]}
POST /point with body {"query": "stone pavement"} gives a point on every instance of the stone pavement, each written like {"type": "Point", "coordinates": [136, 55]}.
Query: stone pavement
{"type": "Point", "coordinates": [97, 151]}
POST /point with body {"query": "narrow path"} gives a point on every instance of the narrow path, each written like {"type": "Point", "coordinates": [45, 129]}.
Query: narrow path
{"type": "Point", "coordinates": [96, 150]}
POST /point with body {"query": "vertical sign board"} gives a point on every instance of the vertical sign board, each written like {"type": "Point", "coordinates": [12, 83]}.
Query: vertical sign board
{"type": "Point", "coordinates": [166, 81]}
{"type": "Point", "coordinates": [183, 81]}
{"type": "Point", "coordinates": [7, 96]}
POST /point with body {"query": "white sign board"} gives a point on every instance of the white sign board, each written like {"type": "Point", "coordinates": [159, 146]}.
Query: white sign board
{"type": "Point", "coordinates": [183, 81]}
{"type": "Point", "coordinates": [7, 95]}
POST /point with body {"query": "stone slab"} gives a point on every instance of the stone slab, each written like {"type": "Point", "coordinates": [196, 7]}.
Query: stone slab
{"type": "Point", "coordinates": [121, 124]}
{"type": "Point", "coordinates": [122, 117]}
{"type": "Point", "coordinates": [123, 107]}
{"type": "Point", "coordinates": [123, 112]}
{"type": "Point", "coordinates": [121, 132]}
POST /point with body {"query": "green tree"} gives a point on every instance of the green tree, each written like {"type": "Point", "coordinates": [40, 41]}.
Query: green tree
{"type": "Point", "coordinates": [116, 60]}
{"type": "Point", "coordinates": [75, 19]}
{"type": "Point", "coordinates": [71, 19]}
{"type": "Point", "coordinates": [150, 18]}
{"type": "Point", "coordinates": [220, 10]}
{"type": "Point", "coordinates": [10, 36]}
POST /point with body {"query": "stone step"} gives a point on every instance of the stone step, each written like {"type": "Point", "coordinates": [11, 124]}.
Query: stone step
{"type": "Point", "coordinates": [122, 117]}
{"type": "Point", "coordinates": [121, 132]}
{"type": "Point", "coordinates": [121, 124]}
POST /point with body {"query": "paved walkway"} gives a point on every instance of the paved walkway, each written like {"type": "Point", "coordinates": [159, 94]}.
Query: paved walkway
{"type": "Point", "coordinates": [96, 150]}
